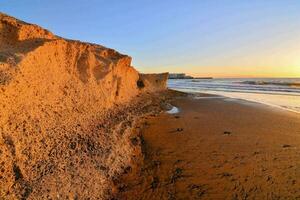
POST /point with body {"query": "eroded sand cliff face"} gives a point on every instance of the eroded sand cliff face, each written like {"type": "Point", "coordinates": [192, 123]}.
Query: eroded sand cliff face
{"type": "Point", "coordinates": [64, 129]}
{"type": "Point", "coordinates": [153, 82]}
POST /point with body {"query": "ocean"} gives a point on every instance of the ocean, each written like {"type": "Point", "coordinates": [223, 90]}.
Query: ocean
{"type": "Point", "coordinates": [283, 93]}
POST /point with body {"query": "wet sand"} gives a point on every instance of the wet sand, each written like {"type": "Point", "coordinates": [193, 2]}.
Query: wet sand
{"type": "Point", "coordinates": [217, 148]}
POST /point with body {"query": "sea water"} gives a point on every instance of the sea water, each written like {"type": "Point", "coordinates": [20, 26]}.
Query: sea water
{"type": "Point", "coordinates": [173, 110]}
{"type": "Point", "coordinates": [280, 92]}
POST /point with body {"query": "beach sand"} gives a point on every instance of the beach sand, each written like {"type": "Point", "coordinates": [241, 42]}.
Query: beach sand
{"type": "Point", "coordinates": [216, 148]}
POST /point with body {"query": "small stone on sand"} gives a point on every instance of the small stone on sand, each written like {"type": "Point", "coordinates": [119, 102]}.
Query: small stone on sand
{"type": "Point", "coordinates": [179, 129]}
{"type": "Point", "coordinates": [286, 146]}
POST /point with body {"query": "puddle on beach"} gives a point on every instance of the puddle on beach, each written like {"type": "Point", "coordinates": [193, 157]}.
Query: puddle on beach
{"type": "Point", "coordinates": [174, 110]}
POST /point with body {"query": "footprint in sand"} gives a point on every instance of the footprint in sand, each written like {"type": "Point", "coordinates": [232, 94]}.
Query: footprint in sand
{"type": "Point", "coordinates": [227, 133]}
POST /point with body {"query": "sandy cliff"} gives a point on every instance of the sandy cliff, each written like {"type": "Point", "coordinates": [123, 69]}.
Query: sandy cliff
{"type": "Point", "coordinates": [62, 102]}
{"type": "Point", "coordinates": [153, 82]}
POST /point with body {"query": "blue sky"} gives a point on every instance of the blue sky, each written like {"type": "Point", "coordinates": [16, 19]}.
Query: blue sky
{"type": "Point", "coordinates": [214, 37]}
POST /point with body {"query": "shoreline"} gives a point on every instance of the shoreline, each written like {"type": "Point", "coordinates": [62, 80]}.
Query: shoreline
{"type": "Point", "coordinates": [244, 99]}
{"type": "Point", "coordinates": [207, 151]}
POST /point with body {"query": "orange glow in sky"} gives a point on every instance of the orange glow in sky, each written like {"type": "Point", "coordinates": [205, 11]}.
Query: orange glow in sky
{"type": "Point", "coordinates": [218, 38]}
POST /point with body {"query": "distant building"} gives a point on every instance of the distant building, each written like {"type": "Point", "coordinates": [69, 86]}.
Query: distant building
{"type": "Point", "coordinates": [179, 76]}
{"type": "Point", "coordinates": [176, 76]}
{"type": "Point", "coordinates": [184, 76]}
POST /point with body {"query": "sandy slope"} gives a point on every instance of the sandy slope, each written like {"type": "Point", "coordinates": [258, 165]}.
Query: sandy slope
{"type": "Point", "coordinates": [66, 112]}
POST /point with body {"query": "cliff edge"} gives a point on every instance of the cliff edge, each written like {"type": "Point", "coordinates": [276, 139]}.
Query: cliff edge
{"type": "Point", "coordinates": [62, 132]}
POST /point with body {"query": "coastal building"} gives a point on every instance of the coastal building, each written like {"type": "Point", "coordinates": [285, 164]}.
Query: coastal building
{"type": "Point", "coordinates": [179, 76]}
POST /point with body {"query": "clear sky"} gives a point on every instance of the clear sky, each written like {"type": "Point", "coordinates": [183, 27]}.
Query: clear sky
{"type": "Point", "coordinates": [220, 38]}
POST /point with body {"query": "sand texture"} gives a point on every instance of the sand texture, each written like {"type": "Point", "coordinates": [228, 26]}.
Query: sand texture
{"type": "Point", "coordinates": [67, 111]}
{"type": "Point", "coordinates": [216, 148]}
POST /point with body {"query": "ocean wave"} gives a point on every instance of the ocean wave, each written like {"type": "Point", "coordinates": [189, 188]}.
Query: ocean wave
{"type": "Point", "coordinates": [281, 93]}
{"type": "Point", "coordinates": [289, 84]}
